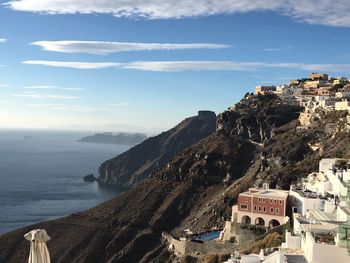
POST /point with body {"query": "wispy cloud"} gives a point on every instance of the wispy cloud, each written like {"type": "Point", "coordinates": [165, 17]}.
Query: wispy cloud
{"type": "Point", "coordinates": [170, 66]}
{"type": "Point", "coordinates": [3, 85]}
{"type": "Point", "coordinates": [103, 47]}
{"type": "Point", "coordinates": [42, 87]}
{"type": "Point", "coordinates": [276, 49]}
{"type": "Point", "coordinates": [2, 40]}
{"type": "Point", "coordinates": [75, 65]}
{"type": "Point", "coordinates": [176, 66]}
{"type": "Point", "coordinates": [173, 66]}
{"type": "Point", "coordinates": [311, 67]}
{"type": "Point", "coordinates": [36, 95]}
{"type": "Point", "coordinates": [124, 104]}
{"type": "Point", "coordinates": [65, 107]}
{"type": "Point", "coordinates": [324, 12]}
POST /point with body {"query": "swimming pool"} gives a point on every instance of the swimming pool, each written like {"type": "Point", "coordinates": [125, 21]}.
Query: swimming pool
{"type": "Point", "coordinates": [209, 236]}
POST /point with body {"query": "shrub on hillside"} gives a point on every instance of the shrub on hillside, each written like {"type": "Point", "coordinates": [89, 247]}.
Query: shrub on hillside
{"type": "Point", "coordinates": [271, 240]}
{"type": "Point", "coordinates": [214, 258]}
{"type": "Point", "coordinates": [223, 257]}
{"type": "Point", "coordinates": [187, 259]}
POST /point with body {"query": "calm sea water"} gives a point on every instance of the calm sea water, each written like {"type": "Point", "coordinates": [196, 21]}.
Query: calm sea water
{"type": "Point", "coordinates": [41, 175]}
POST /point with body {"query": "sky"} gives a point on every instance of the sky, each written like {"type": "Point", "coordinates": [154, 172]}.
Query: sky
{"type": "Point", "coordinates": [146, 65]}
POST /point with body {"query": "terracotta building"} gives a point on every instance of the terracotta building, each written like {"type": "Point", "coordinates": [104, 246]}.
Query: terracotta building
{"type": "Point", "coordinates": [261, 206]}
{"type": "Point", "coordinates": [264, 89]}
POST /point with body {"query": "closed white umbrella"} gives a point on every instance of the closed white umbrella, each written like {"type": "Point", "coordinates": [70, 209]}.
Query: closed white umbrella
{"type": "Point", "coordinates": [38, 248]}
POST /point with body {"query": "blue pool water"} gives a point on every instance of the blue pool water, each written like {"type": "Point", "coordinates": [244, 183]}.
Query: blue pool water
{"type": "Point", "coordinates": [209, 236]}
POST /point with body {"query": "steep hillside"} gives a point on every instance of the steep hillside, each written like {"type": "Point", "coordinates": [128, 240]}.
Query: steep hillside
{"type": "Point", "coordinates": [141, 160]}
{"type": "Point", "coordinates": [257, 142]}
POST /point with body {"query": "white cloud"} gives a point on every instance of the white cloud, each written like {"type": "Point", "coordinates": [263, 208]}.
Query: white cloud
{"type": "Point", "coordinates": [312, 67]}
{"type": "Point", "coordinates": [35, 95]}
{"type": "Point", "coordinates": [3, 40]}
{"type": "Point", "coordinates": [103, 48]}
{"type": "Point", "coordinates": [65, 107]}
{"type": "Point", "coordinates": [275, 49]}
{"type": "Point", "coordinates": [176, 66]}
{"type": "Point", "coordinates": [41, 87]}
{"type": "Point", "coordinates": [124, 104]}
{"type": "Point", "coordinates": [75, 65]}
{"type": "Point", "coordinates": [173, 66]}
{"type": "Point", "coordinates": [325, 12]}
{"type": "Point", "coordinates": [3, 85]}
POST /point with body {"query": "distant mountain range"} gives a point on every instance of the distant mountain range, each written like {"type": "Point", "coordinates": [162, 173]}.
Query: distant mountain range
{"type": "Point", "coordinates": [121, 138]}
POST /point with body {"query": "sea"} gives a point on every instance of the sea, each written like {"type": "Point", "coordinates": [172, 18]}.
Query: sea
{"type": "Point", "coordinates": [41, 175]}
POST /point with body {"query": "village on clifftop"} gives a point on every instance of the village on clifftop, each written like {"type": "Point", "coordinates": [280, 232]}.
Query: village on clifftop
{"type": "Point", "coordinates": [314, 214]}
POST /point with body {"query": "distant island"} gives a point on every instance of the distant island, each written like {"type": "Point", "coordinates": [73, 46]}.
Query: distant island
{"type": "Point", "coordinates": [121, 138]}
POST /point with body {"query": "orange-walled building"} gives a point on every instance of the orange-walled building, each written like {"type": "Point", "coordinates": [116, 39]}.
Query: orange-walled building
{"type": "Point", "coordinates": [261, 206]}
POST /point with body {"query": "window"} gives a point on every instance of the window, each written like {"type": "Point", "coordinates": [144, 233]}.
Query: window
{"type": "Point", "coordinates": [259, 200]}
{"type": "Point", "coordinates": [270, 201]}
{"type": "Point", "coordinates": [255, 208]}
{"type": "Point", "coordinates": [277, 211]}
{"type": "Point", "coordinates": [246, 200]}
{"type": "Point", "coordinates": [264, 209]}
{"type": "Point", "coordinates": [275, 201]}
{"type": "Point", "coordinates": [259, 208]}
{"type": "Point", "coordinates": [281, 202]}
{"type": "Point", "coordinates": [271, 210]}
{"type": "Point", "coordinates": [244, 207]}
{"type": "Point", "coordinates": [263, 200]}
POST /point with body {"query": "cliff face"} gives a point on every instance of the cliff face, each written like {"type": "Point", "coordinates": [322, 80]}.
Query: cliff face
{"type": "Point", "coordinates": [140, 161]}
{"type": "Point", "coordinates": [194, 190]}
{"type": "Point", "coordinates": [255, 118]}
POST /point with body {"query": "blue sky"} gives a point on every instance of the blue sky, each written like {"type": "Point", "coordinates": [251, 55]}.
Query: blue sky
{"type": "Point", "coordinates": [152, 64]}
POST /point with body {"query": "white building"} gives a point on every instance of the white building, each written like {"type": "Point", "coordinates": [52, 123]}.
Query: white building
{"type": "Point", "coordinates": [321, 224]}
{"type": "Point", "coordinates": [343, 105]}
{"type": "Point", "coordinates": [342, 94]}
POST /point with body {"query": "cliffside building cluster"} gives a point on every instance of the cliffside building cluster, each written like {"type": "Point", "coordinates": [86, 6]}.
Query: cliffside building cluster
{"type": "Point", "coordinates": [318, 94]}
{"type": "Point", "coordinates": [313, 214]}
{"type": "Point", "coordinates": [320, 217]}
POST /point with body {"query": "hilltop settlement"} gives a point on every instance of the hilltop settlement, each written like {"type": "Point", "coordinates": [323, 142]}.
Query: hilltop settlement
{"type": "Point", "coordinates": [312, 217]}
{"type": "Point", "coordinates": [266, 181]}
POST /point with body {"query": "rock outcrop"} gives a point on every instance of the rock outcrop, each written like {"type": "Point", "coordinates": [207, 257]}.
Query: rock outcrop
{"type": "Point", "coordinates": [142, 160]}
{"type": "Point", "coordinates": [89, 178]}
{"type": "Point", "coordinates": [194, 190]}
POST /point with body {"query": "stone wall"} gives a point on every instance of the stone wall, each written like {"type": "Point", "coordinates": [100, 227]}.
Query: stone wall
{"type": "Point", "coordinates": [246, 239]}
{"type": "Point", "coordinates": [197, 248]}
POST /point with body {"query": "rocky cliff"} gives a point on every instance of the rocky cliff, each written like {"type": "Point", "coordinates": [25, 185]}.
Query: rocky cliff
{"type": "Point", "coordinates": [257, 142]}
{"type": "Point", "coordinates": [140, 161]}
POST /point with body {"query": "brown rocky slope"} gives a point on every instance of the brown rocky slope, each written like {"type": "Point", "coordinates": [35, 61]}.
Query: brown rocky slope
{"type": "Point", "coordinates": [140, 161]}
{"type": "Point", "coordinates": [255, 143]}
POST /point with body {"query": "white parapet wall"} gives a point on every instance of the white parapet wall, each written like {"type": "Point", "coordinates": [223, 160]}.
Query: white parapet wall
{"type": "Point", "coordinates": [327, 164]}
{"type": "Point", "coordinates": [304, 204]}
{"type": "Point", "coordinates": [323, 253]}
{"type": "Point", "coordinates": [292, 241]}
